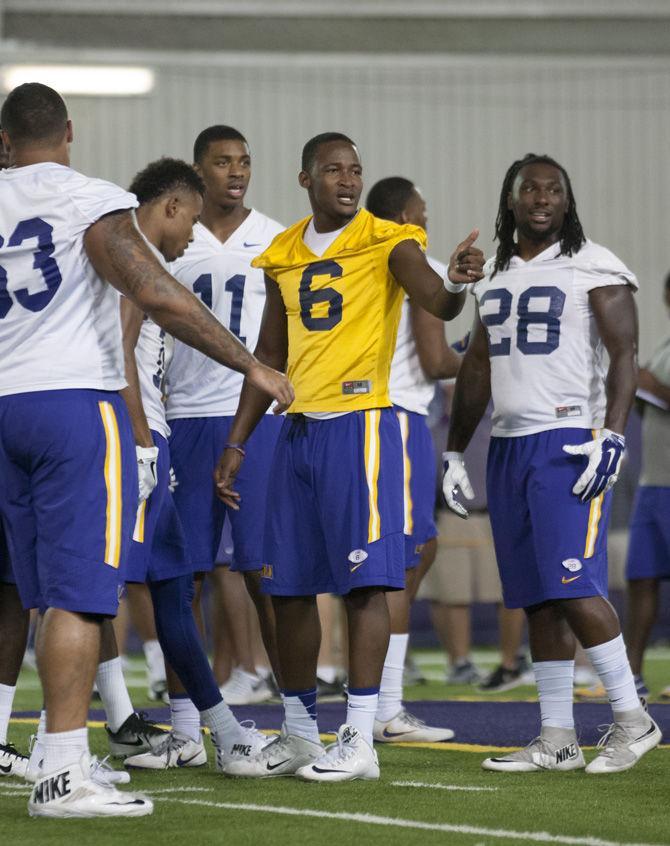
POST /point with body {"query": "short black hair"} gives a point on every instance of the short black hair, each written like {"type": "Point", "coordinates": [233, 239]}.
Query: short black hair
{"type": "Point", "coordinates": [218, 132]}
{"type": "Point", "coordinates": [165, 175]}
{"type": "Point", "coordinates": [388, 198]}
{"type": "Point", "coordinates": [34, 112]}
{"type": "Point", "coordinates": [310, 149]}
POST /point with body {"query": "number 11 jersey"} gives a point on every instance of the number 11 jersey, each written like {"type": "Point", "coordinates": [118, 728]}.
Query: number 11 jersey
{"type": "Point", "coordinates": [222, 276]}
{"type": "Point", "coordinates": [548, 362]}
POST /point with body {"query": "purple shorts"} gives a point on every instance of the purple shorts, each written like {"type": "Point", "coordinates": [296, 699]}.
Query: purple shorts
{"type": "Point", "coordinates": [549, 545]}
{"type": "Point", "coordinates": [649, 539]}
{"type": "Point", "coordinates": [420, 478]}
{"type": "Point", "coordinates": [68, 497]}
{"type": "Point", "coordinates": [335, 505]}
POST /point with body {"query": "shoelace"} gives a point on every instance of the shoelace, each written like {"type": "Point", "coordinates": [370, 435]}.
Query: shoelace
{"type": "Point", "coordinates": [11, 750]}
{"type": "Point", "coordinates": [338, 752]}
{"type": "Point", "coordinates": [614, 735]}
{"type": "Point", "coordinates": [100, 770]}
{"type": "Point", "coordinates": [173, 741]}
{"type": "Point", "coordinates": [250, 726]}
{"type": "Point", "coordinates": [411, 720]}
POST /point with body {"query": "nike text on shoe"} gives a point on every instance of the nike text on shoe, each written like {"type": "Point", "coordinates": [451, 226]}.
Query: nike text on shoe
{"type": "Point", "coordinates": [177, 750]}
{"type": "Point", "coordinates": [281, 757]}
{"type": "Point", "coordinates": [406, 728]}
{"type": "Point", "coordinates": [72, 792]}
{"type": "Point", "coordinates": [248, 743]}
{"type": "Point", "coordinates": [622, 746]}
{"type": "Point", "coordinates": [555, 749]}
{"type": "Point", "coordinates": [136, 735]}
{"type": "Point", "coordinates": [350, 757]}
{"type": "Point", "coordinates": [12, 762]}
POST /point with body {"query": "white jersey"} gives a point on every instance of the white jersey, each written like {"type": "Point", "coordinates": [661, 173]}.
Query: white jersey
{"type": "Point", "coordinates": [408, 386]}
{"type": "Point", "coordinates": [59, 322]}
{"type": "Point", "coordinates": [222, 276]}
{"type": "Point", "coordinates": [547, 359]}
{"type": "Point", "coordinates": [153, 353]}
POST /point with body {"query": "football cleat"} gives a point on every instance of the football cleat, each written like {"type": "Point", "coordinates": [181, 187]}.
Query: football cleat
{"type": "Point", "coordinates": [555, 749]}
{"type": "Point", "coordinates": [248, 743]}
{"type": "Point", "coordinates": [349, 758]}
{"type": "Point", "coordinates": [177, 750]}
{"type": "Point", "coordinates": [72, 792]}
{"type": "Point", "coordinates": [136, 735]}
{"type": "Point", "coordinates": [12, 762]}
{"type": "Point", "coordinates": [502, 678]}
{"type": "Point", "coordinates": [622, 746]}
{"type": "Point", "coordinates": [595, 693]}
{"type": "Point", "coordinates": [463, 672]}
{"type": "Point", "coordinates": [243, 688]}
{"type": "Point", "coordinates": [282, 756]}
{"type": "Point", "coordinates": [406, 728]}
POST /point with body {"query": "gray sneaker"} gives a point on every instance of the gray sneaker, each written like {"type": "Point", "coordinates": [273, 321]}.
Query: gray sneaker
{"type": "Point", "coordinates": [622, 746]}
{"type": "Point", "coordinates": [554, 749]}
{"type": "Point", "coordinates": [464, 672]}
{"type": "Point", "coordinates": [282, 757]}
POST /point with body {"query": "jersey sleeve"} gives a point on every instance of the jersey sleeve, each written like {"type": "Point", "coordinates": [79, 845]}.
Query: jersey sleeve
{"type": "Point", "coordinates": [597, 267]}
{"type": "Point", "coordinates": [94, 198]}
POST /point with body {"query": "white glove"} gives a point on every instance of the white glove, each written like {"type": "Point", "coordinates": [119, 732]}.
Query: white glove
{"type": "Point", "coordinates": [147, 459]}
{"type": "Point", "coordinates": [172, 482]}
{"type": "Point", "coordinates": [456, 476]}
{"type": "Point", "coordinates": [604, 453]}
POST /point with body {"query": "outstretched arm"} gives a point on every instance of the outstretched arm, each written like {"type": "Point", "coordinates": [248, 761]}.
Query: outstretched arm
{"type": "Point", "coordinates": [272, 350]}
{"type": "Point", "coordinates": [409, 266]}
{"type": "Point", "coordinates": [119, 255]}
{"type": "Point", "coordinates": [131, 325]}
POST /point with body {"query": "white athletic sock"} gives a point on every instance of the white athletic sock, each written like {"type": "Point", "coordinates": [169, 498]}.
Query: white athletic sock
{"type": "Point", "coordinates": [390, 690]}
{"type": "Point", "coordinates": [6, 701]}
{"type": "Point", "coordinates": [114, 693]}
{"type": "Point", "coordinates": [361, 710]}
{"type": "Point", "coordinates": [37, 750]}
{"type": "Point", "coordinates": [155, 661]}
{"type": "Point", "coordinates": [554, 690]}
{"type": "Point", "coordinates": [300, 713]}
{"type": "Point", "coordinates": [222, 724]}
{"type": "Point", "coordinates": [185, 717]}
{"type": "Point", "coordinates": [63, 748]}
{"type": "Point", "coordinates": [611, 663]}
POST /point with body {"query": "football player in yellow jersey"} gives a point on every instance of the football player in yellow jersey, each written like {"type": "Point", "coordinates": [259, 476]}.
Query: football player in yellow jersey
{"type": "Point", "coordinates": [335, 285]}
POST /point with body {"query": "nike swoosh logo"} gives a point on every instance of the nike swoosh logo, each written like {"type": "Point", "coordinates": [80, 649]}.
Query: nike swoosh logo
{"type": "Point", "coordinates": [354, 567]}
{"type": "Point", "coordinates": [649, 731]}
{"type": "Point", "coordinates": [274, 766]}
{"type": "Point", "coordinates": [390, 734]}
{"type": "Point", "coordinates": [251, 245]}
{"type": "Point", "coordinates": [612, 454]}
{"type": "Point", "coordinates": [571, 579]}
{"type": "Point", "coordinates": [6, 770]}
{"type": "Point", "coordinates": [182, 763]}
{"type": "Point", "coordinates": [319, 770]}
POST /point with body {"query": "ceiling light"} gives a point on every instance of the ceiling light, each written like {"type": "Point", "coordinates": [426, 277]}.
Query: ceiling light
{"type": "Point", "coordinates": [83, 80]}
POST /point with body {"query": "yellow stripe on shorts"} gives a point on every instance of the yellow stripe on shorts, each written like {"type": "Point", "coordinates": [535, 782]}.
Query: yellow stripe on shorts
{"type": "Point", "coordinates": [112, 484]}
{"type": "Point", "coordinates": [138, 531]}
{"type": "Point", "coordinates": [408, 528]}
{"type": "Point", "coordinates": [595, 512]}
{"type": "Point", "coordinates": [372, 418]}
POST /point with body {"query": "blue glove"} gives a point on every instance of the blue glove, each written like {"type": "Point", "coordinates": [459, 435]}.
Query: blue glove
{"type": "Point", "coordinates": [604, 453]}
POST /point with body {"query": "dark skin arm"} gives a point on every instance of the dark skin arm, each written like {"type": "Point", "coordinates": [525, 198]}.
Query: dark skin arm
{"type": "Point", "coordinates": [131, 324]}
{"type": "Point", "coordinates": [473, 390]}
{"type": "Point", "coordinates": [410, 268]}
{"type": "Point", "coordinates": [616, 318]}
{"type": "Point", "coordinates": [120, 256]}
{"type": "Point", "coordinates": [271, 349]}
{"type": "Point", "coordinates": [438, 360]}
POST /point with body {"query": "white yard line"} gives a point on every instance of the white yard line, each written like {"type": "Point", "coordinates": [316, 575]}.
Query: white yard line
{"type": "Point", "coordinates": [393, 822]}
{"type": "Point", "coordinates": [152, 792]}
{"type": "Point", "coordinates": [443, 786]}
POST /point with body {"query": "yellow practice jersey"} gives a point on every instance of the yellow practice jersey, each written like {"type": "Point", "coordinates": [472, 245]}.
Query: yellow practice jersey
{"type": "Point", "coordinates": [343, 312]}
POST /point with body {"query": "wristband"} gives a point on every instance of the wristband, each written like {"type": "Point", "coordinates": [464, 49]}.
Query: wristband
{"type": "Point", "coordinates": [452, 287]}
{"type": "Point", "coordinates": [237, 447]}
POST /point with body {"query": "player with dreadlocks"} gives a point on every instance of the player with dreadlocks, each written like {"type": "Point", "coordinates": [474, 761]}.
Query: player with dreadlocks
{"type": "Point", "coordinates": [549, 305]}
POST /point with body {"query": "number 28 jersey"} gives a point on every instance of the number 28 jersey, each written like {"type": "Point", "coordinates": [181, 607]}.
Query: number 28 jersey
{"type": "Point", "coordinates": [343, 310]}
{"type": "Point", "coordinates": [59, 322]}
{"type": "Point", "coordinates": [222, 276]}
{"type": "Point", "coordinates": [548, 362]}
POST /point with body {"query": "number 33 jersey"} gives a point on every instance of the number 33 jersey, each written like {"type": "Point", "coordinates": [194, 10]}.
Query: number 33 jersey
{"type": "Point", "coordinates": [222, 276]}
{"type": "Point", "coordinates": [343, 310]}
{"type": "Point", "coordinates": [59, 322]}
{"type": "Point", "coordinates": [547, 358]}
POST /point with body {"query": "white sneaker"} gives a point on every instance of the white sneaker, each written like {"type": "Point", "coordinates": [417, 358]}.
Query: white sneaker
{"type": "Point", "coordinates": [406, 728]}
{"type": "Point", "coordinates": [177, 750]}
{"type": "Point", "coordinates": [72, 792]}
{"type": "Point", "coordinates": [623, 745]}
{"type": "Point", "coordinates": [249, 743]}
{"type": "Point", "coordinates": [555, 749]}
{"type": "Point", "coordinates": [12, 762]}
{"type": "Point", "coordinates": [243, 688]}
{"type": "Point", "coordinates": [350, 757]}
{"type": "Point", "coordinates": [282, 756]}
